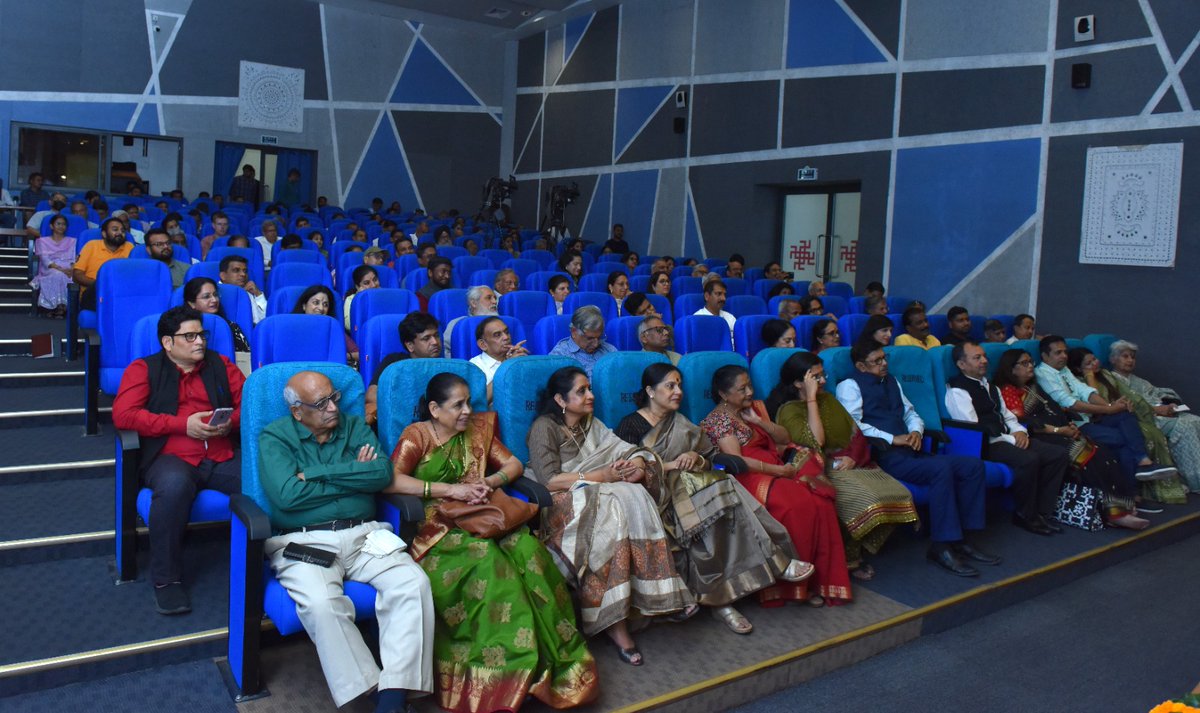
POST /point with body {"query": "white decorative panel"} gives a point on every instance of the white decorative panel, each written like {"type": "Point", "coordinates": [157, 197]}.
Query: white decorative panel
{"type": "Point", "coordinates": [1131, 205]}
{"type": "Point", "coordinates": [271, 97]}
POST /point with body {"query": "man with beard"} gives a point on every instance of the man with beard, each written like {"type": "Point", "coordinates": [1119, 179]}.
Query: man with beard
{"type": "Point", "coordinates": [439, 279]}
{"type": "Point", "coordinates": [158, 247]}
{"type": "Point", "coordinates": [95, 253]}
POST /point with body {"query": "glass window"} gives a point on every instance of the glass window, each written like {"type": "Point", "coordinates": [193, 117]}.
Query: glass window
{"type": "Point", "coordinates": [68, 159]}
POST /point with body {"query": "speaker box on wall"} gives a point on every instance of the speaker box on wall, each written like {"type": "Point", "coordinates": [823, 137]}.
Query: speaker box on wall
{"type": "Point", "coordinates": [680, 124]}
{"type": "Point", "coordinates": [1081, 75]}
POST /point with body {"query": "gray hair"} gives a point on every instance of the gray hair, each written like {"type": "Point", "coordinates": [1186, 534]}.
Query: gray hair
{"type": "Point", "coordinates": [587, 318]}
{"type": "Point", "coordinates": [872, 301]}
{"type": "Point", "coordinates": [473, 296]}
{"type": "Point", "coordinates": [1120, 346]}
{"type": "Point", "coordinates": [783, 305]}
{"type": "Point", "coordinates": [644, 325]}
{"type": "Point", "coordinates": [290, 397]}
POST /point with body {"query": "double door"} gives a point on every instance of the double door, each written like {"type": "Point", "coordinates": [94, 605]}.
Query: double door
{"type": "Point", "coordinates": [820, 235]}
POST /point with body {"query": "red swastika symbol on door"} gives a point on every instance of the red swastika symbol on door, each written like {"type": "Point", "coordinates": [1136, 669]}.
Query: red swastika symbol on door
{"type": "Point", "coordinates": [802, 255]}
{"type": "Point", "coordinates": [849, 256]}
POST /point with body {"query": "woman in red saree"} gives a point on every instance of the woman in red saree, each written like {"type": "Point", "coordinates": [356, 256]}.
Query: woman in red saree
{"type": "Point", "coordinates": [794, 491]}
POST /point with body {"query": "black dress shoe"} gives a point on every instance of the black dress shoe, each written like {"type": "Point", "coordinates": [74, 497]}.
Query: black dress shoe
{"type": "Point", "coordinates": [1034, 525]}
{"type": "Point", "coordinates": [945, 558]}
{"type": "Point", "coordinates": [172, 599]}
{"type": "Point", "coordinates": [1051, 525]}
{"type": "Point", "coordinates": [965, 550]}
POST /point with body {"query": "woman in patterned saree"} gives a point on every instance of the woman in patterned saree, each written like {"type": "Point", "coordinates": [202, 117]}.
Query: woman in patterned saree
{"type": "Point", "coordinates": [506, 625]}
{"type": "Point", "coordinates": [870, 503]}
{"type": "Point", "coordinates": [793, 488]}
{"type": "Point", "coordinates": [728, 545]}
{"type": "Point", "coordinates": [604, 528]}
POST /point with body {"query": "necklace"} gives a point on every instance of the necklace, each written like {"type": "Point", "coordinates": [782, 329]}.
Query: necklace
{"type": "Point", "coordinates": [436, 439]}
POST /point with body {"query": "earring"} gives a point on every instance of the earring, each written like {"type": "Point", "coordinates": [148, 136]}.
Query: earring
{"type": "Point", "coordinates": [564, 410]}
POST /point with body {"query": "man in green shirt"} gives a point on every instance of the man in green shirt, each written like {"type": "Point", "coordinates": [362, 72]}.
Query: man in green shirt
{"type": "Point", "coordinates": [320, 470]}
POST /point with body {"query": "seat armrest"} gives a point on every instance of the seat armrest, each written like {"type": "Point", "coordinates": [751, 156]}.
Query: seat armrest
{"type": "Point", "coordinates": [72, 321]}
{"type": "Point", "coordinates": [733, 465]}
{"type": "Point", "coordinates": [256, 522]}
{"type": "Point", "coordinates": [937, 436]}
{"type": "Point", "coordinates": [410, 506]}
{"type": "Point", "coordinates": [130, 440]}
{"type": "Point", "coordinates": [534, 491]}
{"type": "Point", "coordinates": [963, 425]}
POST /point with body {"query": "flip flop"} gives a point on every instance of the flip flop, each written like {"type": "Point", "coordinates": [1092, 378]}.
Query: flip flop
{"type": "Point", "coordinates": [798, 571]}
{"type": "Point", "coordinates": [733, 619]}
{"type": "Point", "coordinates": [863, 573]}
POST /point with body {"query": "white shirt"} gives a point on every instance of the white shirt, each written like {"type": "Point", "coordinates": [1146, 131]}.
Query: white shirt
{"type": "Point", "coordinates": [6, 198]}
{"type": "Point", "coordinates": [258, 306]}
{"type": "Point", "coordinates": [850, 397]}
{"type": "Point", "coordinates": [961, 408]}
{"type": "Point", "coordinates": [1010, 340]}
{"type": "Point", "coordinates": [266, 248]}
{"type": "Point", "coordinates": [729, 318]}
{"type": "Point", "coordinates": [486, 363]}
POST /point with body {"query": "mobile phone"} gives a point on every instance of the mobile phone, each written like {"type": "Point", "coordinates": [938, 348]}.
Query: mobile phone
{"type": "Point", "coordinates": [220, 417]}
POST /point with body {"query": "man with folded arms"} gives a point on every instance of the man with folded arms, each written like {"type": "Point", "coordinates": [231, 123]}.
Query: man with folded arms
{"type": "Point", "coordinates": [169, 398]}
{"type": "Point", "coordinates": [320, 470]}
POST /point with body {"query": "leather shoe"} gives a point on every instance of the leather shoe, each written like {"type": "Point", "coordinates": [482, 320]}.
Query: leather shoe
{"type": "Point", "coordinates": [1033, 525]}
{"type": "Point", "coordinates": [945, 558]}
{"type": "Point", "coordinates": [1051, 525]}
{"type": "Point", "coordinates": [965, 550]}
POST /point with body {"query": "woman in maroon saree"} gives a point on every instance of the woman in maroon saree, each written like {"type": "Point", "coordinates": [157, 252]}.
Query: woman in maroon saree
{"type": "Point", "coordinates": [794, 491]}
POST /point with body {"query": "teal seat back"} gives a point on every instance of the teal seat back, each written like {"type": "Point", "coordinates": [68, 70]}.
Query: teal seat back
{"type": "Point", "coordinates": [402, 385]}
{"type": "Point", "coordinates": [515, 393]}
{"type": "Point", "coordinates": [616, 380]}
{"type": "Point", "coordinates": [913, 368]}
{"type": "Point", "coordinates": [764, 369]}
{"type": "Point", "coordinates": [697, 370]}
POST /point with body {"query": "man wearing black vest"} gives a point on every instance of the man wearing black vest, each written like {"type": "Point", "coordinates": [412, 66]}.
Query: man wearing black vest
{"type": "Point", "coordinates": [895, 431]}
{"type": "Point", "coordinates": [169, 398]}
{"type": "Point", "coordinates": [1038, 467]}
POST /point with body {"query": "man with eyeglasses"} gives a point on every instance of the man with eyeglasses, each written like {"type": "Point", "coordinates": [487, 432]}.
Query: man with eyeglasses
{"type": "Point", "coordinates": [169, 399]}
{"type": "Point", "coordinates": [895, 431]}
{"type": "Point", "coordinates": [321, 469]}
{"type": "Point", "coordinates": [586, 344]}
{"type": "Point", "coordinates": [496, 347]}
{"type": "Point", "coordinates": [158, 247]}
{"type": "Point", "coordinates": [655, 336]}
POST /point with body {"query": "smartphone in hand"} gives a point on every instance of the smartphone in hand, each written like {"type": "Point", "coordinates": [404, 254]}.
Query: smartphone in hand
{"type": "Point", "coordinates": [220, 417]}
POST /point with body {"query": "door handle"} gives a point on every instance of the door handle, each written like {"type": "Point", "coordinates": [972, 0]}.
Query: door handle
{"type": "Point", "coordinates": [834, 270]}
{"type": "Point", "coordinates": [817, 252]}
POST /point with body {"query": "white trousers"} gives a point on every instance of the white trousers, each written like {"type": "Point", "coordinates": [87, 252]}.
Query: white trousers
{"type": "Point", "coordinates": [403, 608]}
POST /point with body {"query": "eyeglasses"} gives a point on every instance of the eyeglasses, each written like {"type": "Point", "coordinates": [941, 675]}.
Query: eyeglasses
{"type": "Point", "coordinates": [190, 337]}
{"type": "Point", "coordinates": [877, 362]}
{"type": "Point", "coordinates": [832, 334]}
{"type": "Point", "coordinates": [325, 403]}
{"type": "Point", "coordinates": [1025, 362]}
{"type": "Point", "coordinates": [660, 330]}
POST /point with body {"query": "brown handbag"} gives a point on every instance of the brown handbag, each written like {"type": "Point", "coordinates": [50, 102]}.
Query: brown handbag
{"type": "Point", "coordinates": [500, 515]}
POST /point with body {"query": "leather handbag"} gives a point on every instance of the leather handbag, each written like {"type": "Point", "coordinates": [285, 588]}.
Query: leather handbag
{"type": "Point", "coordinates": [500, 515]}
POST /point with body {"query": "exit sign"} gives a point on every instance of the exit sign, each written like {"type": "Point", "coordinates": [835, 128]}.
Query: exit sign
{"type": "Point", "coordinates": [272, 140]}
{"type": "Point", "coordinates": [808, 173]}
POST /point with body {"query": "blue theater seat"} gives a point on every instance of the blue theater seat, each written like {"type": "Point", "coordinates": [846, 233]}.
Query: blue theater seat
{"type": "Point", "coordinates": [346, 262]}
{"type": "Point", "coordinates": [898, 304]}
{"type": "Point", "coordinates": [483, 278]}
{"type": "Point", "coordinates": [286, 256]}
{"type": "Point", "coordinates": [736, 286]}
{"type": "Point", "coordinates": [402, 385]}
{"type": "Point", "coordinates": [841, 289]}
{"type": "Point", "coordinates": [495, 256]}
{"type": "Point", "coordinates": [697, 370]}
{"type": "Point", "coordinates": [681, 271]}
{"type": "Point", "coordinates": [747, 334]}
{"type": "Point", "coordinates": [300, 274]}
{"type": "Point", "coordinates": [763, 287]}
{"type": "Point", "coordinates": [835, 305]}
{"type": "Point", "coordinates": [524, 268]}
{"type": "Point", "coordinates": [515, 393]}
{"type": "Point", "coordinates": [540, 281]}
{"type": "Point", "coordinates": [371, 303]}
{"type": "Point", "coordinates": [575, 300]}
{"type": "Point", "coordinates": [851, 326]}
{"type": "Point", "coordinates": [837, 366]}
{"type": "Point", "coordinates": [939, 325]}
{"type": "Point", "coordinates": [452, 251]}
{"type": "Point", "coordinates": [527, 306]}
{"type": "Point", "coordinates": [764, 369]}
{"type": "Point", "coordinates": [594, 282]}
{"type": "Point", "coordinates": [549, 331]}
{"type": "Point", "coordinates": [380, 336]}
{"type": "Point", "coordinates": [298, 337]}
{"type": "Point", "coordinates": [804, 326]}
{"type": "Point", "coordinates": [462, 338]}
{"type": "Point", "coordinates": [695, 333]}
{"type": "Point", "coordinates": [467, 265]}
{"type": "Point", "coordinates": [545, 259]}
{"type": "Point", "coordinates": [616, 380]}
{"type": "Point", "coordinates": [445, 305]}
{"type": "Point", "coordinates": [686, 286]}
{"type": "Point", "coordinates": [211, 270]}
{"type": "Point", "coordinates": [639, 283]}
{"type": "Point", "coordinates": [857, 305]}
{"type": "Point", "coordinates": [1100, 344]}
{"type": "Point", "coordinates": [277, 250]}
{"type": "Point", "coordinates": [689, 303]}
{"type": "Point", "coordinates": [742, 305]}
{"type": "Point", "coordinates": [663, 307]}
{"type": "Point", "coordinates": [234, 301]}
{"type": "Point", "coordinates": [622, 333]}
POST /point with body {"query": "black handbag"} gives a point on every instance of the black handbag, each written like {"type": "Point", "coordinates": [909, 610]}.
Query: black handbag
{"type": "Point", "coordinates": [1079, 506]}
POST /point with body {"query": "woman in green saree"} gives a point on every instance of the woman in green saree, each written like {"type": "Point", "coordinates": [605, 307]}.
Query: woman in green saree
{"type": "Point", "coordinates": [506, 625]}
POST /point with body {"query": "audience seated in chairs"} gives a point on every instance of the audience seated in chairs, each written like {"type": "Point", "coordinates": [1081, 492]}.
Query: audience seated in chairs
{"type": "Point", "coordinates": [1024, 327]}
{"type": "Point", "coordinates": [714, 302]}
{"type": "Point", "coordinates": [779, 333]}
{"type": "Point", "coordinates": [660, 284]}
{"type": "Point", "coordinates": [789, 309]}
{"type": "Point", "coordinates": [719, 516]}
{"type": "Point", "coordinates": [183, 402]}
{"type": "Point", "coordinates": [559, 287]}
{"type": "Point", "coordinates": [439, 269]}
{"type": "Point", "coordinates": [994, 332]}
{"type": "Point", "coordinates": [586, 343]}
{"type": "Point", "coordinates": [95, 253]}
{"type": "Point", "coordinates": [55, 254]}
{"type": "Point", "coordinates": [956, 483]}
{"type": "Point", "coordinates": [916, 330]}
{"type": "Point", "coordinates": [421, 338]}
{"type": "Point", "coordinates": [220, 229]}
{"type": "Point", "coordinates": [202, 295]}
{"type": "Point", "coordinates": [481, 301]}
{"type": "Point", "coordinates": [507, 281]}
{"type": "Point", "coordinates": [364, 277]}
{"type": "Point", "coordinates": [876, 305]}
{"type": "Point", "coordinates": [319, 299]}
{"type": "Point", "coordinates": [870, 503]}
{"type": "Point", "coordinates": [655, 336]}
{"type": "Point", "coordinates": [825, 335]}
{"type": "Point", "coordinates": [879, 328]}
{"type": "Point", "coordinates": [158, 247]}
{"type": "Point", "coordinates": [960, 326]}
{"type": "Point", "coordinates": [638, 305]}
{"type": "Point", "coordinates": [234, 270]}
{"type": "Point", "coordinates": [495, 342]}
{"type": "Point", "coordinates": [483, 662]}
{"type": "Point", "coordinates": [319, 470]}
{"type": "Point", "coordinates": [604, 525]}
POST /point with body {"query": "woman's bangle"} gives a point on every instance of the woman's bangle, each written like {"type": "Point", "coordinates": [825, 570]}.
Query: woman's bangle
{"type": "Point", "coordinates": [581, 478]}
{"type": "Point", "coordinates": [428, 490]}
{"type": "Point", "coordinates": [503, 478]}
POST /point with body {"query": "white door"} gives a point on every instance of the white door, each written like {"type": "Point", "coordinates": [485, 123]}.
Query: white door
{"type": "Point", "coordinates": [820, 236]}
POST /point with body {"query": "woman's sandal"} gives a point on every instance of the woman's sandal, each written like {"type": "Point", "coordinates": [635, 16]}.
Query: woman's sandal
{"type": "Point", "coordinates": [863, 573]}
{"type": "Point", "coordinates": [631, 656]}
{"type": "Point", "coordinates": [733, 619]}
{"type": "Point", "coordinates": [683, 614]}
{"type": "Point", "coordinates": [798, 571]}
{"type": "Point", "coordinates": [816, 601]}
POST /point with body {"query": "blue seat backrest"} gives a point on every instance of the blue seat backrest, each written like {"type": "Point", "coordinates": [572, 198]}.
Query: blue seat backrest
{"type": "Point", "coordinates": [608, 257]}
{"type": "Point", "coordinates": [1033, 347]}
{"type": "Point", "coordinates": [254, 260]}
{"type": "Point", "coordinates": [144, 341]}
{"type": "Point", "coordinates": [406, 264]}
{"type": "Point", "coordinates": [616, 380]}
{"type": "Point", "coordinates": [549, 331]}
{"type": "Point", "coordinates": [1075, 343]}
{"type": "Point", "coordinates": [622, 333]}
{"type": "Point", "coordinates": [743, 305]}
{"type": "Point", "coordinates": [462, 339]}
{"type": "Point", "coordinates": [234, 301]}
{"type": "Point", "coordinates": [452, 252]}
{"type": "Point", "coordinates": [298, 337]}
{"type": "Point", "coordinates": [702, 332]}
{"type": "Point", "coordinates": [445, 305]}
{"type": "Point", "coordinates": [496, 256]}
{"type": "Point", "coordinates": [663, 306]}
{"type": "Point", "coordinates": [346, 262]}
{"type": "Point", "coordinates": [913, 368]}
{"type": "Point", "coordinates": [303, 274]}
{"type": "Point", "coordinates": [763, 287]}
{"type": "Point", "coordinates": [643, 269]}
{"type": "Point", "coordinates": [754, 274]}
{"type": "Point", "coordinates": [747, 334]}
{"type": "Point", "coordinates": [857, 304]}
{"type": "Point", "coordinates": [977, 322]}
{"type": "Point", "coordinates": [403, 384]}
{"type": "Point", "coordinates": [697, 370]}
{"type": "Point", "coordinates": [86, 237]}
{"type": "Point", "coordinates": [897, 304]}
{"type": "Point", "coordinates": [385, 300]}
{"type": "Point", "coordinates": [203, 269]}
{"type": "Point", "coordinates": [524, 268]}
{"type": "Point", "coordinates": [800, 287]}
{"type": "Point", "coordinates": [595, 282]}
{"type": "Point", "coordinates": [764, 369]}
{"type": "Point", "coordinates": [736, 286]}
{"type": "Point", "coordinates": [607, 268]}
{"type": "Point", "coordinates": [1007, 320]}
{"type": "Point", "coordinates": [835, 305]}
{"type": "Point", "coordinates": [842, 289]}
{"type": "Point", "coordinates": [838, 366]}
{"type": "Point", "coordinates": [379, 337]}
{"type": "Point", "coordinates": [262, 403]}
{"type": "Point", "coordinates": [283, 300]}
{"type": "Point", "coordinates": [681, 271]}
{"type": "Point", "coordinates": [804, 326]}
{"type": "Point", "coordinates": [687, 286]}
{"type": "Point", "coordinates": [540, 280]}
{"type": "Point", "coordinates": [939, 325]}
{"type": "Point", "coordinates": [127, 290]}
{"type": "Point", "coordinates": [941, 360]}
{"type": "Point", "coordinates": [468, 265]}
{"type": "Point", "coordinates": [527, 306]}
{"type": "Point", "coordinates": [575, 300]}
{"type": "Point", "coordinates": [486, 278]}
{"type": "Point", "coordinates": [851, 327]}
{"type": "Point", "coordinates": [1100, 344]}
{"type": "Point", "coordinates": [994, 350]}
{"type": "Point", "coordinates": [688, 303]}
{"type": "Point", "coordinates": [544, 258]}
{"type": "Point", "coordinates": [277, 249]}
{"type": "Point", "coordinates": [515, 394]}
{"type": "Point", "coordinates": [715, 262]}
{"type": "Point", "coordinates": [639, 283]}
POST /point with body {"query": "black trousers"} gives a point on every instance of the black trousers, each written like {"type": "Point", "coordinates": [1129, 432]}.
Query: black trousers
{"type": "Point", "coordinates": [175, 484]}
{"type": "Point", "coordinates": [1037, 474]}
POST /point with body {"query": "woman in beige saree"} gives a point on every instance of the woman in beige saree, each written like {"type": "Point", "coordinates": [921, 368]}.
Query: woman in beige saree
{"type": "Point", "coordinates": [728, 546]}
{"type": "Point", "coordinates": [603, 528]}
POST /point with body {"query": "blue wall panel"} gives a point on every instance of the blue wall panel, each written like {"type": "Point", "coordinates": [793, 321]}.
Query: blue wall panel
{"type": "Point", "coordinates": [382, 172]}
{"type": "Point", "coordinates": [634, 194]}
{"type": "Point", "coordinates": [634, 107]}
{"type": "Point", "coordinates": [820, 34]}
{"type": "Point", "coordinates": [425, 80]}
{"type": "Point", "coordinates": [953, 206]}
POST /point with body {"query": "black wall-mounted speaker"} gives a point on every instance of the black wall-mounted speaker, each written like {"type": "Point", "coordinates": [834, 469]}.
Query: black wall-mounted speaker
{"type": "Point", "coordinates": [1081, 75]}
{"type": "Point", "coordinates": [680, 124]}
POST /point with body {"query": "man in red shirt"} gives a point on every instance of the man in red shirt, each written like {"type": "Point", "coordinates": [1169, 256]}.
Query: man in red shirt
{"type": "Point", "coordinates": [169, 398]}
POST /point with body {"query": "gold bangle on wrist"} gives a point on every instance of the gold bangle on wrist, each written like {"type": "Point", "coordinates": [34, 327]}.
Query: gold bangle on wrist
{"type": "Point", "coordinates": [428, 490]}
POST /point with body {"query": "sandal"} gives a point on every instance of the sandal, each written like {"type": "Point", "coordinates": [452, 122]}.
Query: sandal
{"type": "Point", "coordinates": [863, 573]}
{"type": "Point", "coordinates": [797, 571]}
{"type": "Point", "coordinates": [816, 601]}
{"type": "Point", "coordinates": [733, 619]}
{"type": "Point", "coordinates": [631, 656]}
{"type": "Point", "coordinates": [683, 614]}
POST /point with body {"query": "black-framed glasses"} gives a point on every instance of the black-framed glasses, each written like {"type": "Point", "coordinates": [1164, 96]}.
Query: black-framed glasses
{"type": "Point", "coordinates": [190, 337]}
{"type": "Point", "coordinates": [876, 362]}
{"type": "Point", "coordinates": [323, 404]}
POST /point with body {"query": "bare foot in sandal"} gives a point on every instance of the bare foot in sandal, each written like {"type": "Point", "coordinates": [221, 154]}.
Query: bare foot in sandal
{"type": "Point", "coordinates": [733, 619]}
